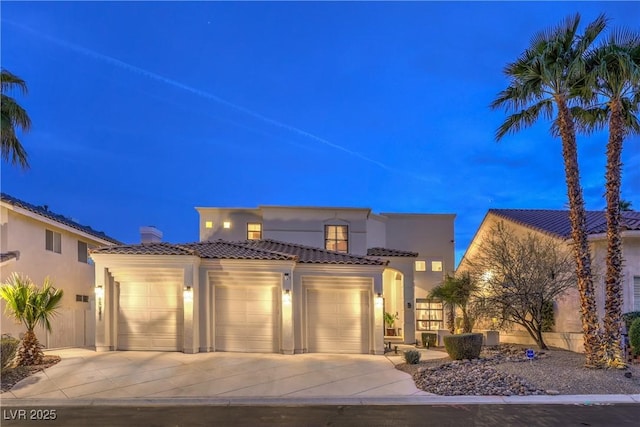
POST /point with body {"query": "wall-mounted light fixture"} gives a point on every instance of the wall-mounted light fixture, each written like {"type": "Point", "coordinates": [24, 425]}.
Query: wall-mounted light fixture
{"type": "Point", "coordinates": [99, 297]}
{"type": "Point", "coordinates": [187, 294]}
{"type": "Point", "coordinates": [286, 276]}
{"type": "Point", "coordinates": [286, 296]}
{"type": "Point", "coordinates": [379, 300]}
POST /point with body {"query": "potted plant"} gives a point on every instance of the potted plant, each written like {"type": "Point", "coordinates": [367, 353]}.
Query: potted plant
{"type": "Point", "coordinates": [390, 321]}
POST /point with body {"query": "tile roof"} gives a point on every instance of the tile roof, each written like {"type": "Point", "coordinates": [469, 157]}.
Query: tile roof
{"type": "Point", "coordinates": [155, 248]}
{"type": "Point", "coordinates": [390, 252]}
{"type": "Point", "coordinates": [557, 222]}
{"type": "Point", "coordinates": [45, 212]}
{"type": "Point", "coordinates": [311, 255]}
{"type": "Point", "coordinates": [221, 249]}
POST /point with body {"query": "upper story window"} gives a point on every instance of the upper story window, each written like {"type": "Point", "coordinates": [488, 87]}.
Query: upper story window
{"type": "Point", "coordinates": [421, 265]}
{"type": "Point", "coordinates": [254, 231]}
{"type": "Point", "coordinates": [53, 241]}
{"type": "Point", "coordinates": [336, 238]}
{"type": "Point", "coordinates": [436, 265]}
{"type": "Point", "coordinates": [83, 252]}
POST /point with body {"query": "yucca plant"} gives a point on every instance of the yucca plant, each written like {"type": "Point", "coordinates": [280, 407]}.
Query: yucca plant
{"type": "Point", "coordinates": [31, 306]}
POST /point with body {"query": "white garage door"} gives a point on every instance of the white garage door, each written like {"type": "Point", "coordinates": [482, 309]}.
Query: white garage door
{"type": "Point", "coordinates": [150, 317]}
{"type": "Point", "coordinates": [246, 319]}
{"type": "Point", "coordinates": [338, 321]}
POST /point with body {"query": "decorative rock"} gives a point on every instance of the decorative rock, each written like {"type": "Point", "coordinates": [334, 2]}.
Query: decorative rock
{"type": "Point", "coordinates": [552, 392]}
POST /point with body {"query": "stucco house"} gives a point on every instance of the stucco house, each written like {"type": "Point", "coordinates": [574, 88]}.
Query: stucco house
{"type": "Point", "coordinates": [276, 279]}
{"type": "Point", "coordinates": [39, 243]}
{"type": "Point", "coordinates": [567, 332]}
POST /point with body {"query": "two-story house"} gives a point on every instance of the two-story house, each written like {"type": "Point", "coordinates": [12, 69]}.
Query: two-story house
{"type": "Point", "coordinates": [277, 279]}
{"type": "Point", "coordinates": [38, 243]}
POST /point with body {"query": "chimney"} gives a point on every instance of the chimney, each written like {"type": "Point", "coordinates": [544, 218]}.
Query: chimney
{"type": "Point", "coordinates": [150, 234]}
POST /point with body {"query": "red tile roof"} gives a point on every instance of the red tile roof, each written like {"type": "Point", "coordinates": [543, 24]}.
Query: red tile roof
{"type": "Point", "coordinates": [250, 249]}
{"type": "Point", "coordinates": [557, 222]}
{"type": "Point", "coordinates": [45, 212]}
{"type": "Point", "coordinates": [390, 252]}
{"type": "Point", "coordinates": [311, 255]}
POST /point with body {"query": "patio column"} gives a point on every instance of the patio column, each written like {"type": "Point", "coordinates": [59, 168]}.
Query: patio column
{"type": "Point", "coordinates": [103, 297]}
{"type": "Point", "coordinates": [378, 318]}
{"type": "Point", "coordinates": [191, 297]}
{"type": "Point", "coordinates": [287, 313]}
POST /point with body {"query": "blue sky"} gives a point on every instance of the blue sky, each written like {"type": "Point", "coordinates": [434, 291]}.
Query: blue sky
{"type": "Point", "coordinates": [142, 111]}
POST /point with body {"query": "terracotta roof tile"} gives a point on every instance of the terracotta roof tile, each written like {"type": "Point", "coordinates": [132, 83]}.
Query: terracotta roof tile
{"type": "Point", "coordinates": [221, 249]}
{"type": "Point", "coordinates": [45, 212]}
{"type": "Point", "coordinates": [311, 255]}
{"type": "Point", "coordinates": [390, 252]}
{"type": "Point", "coordinates": [557, 222]}
{"type": "Point", "coordinates": [159, 248]}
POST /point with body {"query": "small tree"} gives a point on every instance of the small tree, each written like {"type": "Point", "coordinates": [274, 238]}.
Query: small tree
{"type": "Point", "coordinates": [521, 277]}
{"type": "Point", "coordinates": [458, 291]}
{"type": "Point", "coordinates": [31, 306]}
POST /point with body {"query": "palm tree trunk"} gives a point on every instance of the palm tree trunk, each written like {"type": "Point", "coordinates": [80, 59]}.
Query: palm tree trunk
{"type": "Point", "coordinates": [577, 217]}
{"type": "Point", "coordinates": [613, 280]}
{"type": "Point", "coordinates": [30, 352]}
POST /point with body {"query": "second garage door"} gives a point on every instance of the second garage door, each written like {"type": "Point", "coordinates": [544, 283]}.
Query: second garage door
{"type": "Point", "coordinates": [150, 317]}
{"type": "Point", "coordinates": [246, 319]}
{"type": "Point", "coordinates": [338, 321]}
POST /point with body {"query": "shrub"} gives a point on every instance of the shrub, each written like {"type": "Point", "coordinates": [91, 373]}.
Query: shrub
{"type": "Point", "coordinates": [429, 339]}
{"type": "Point", "coordinates": [412, 357]}
{"type": "Point", "coordinates": [629, 317]}
{"type": "Point", "coordinates": [463, 346]}
{"type": "Point", "coordinates": [8, 348]}
{"type": "Point", "coordinates": [634, 336]}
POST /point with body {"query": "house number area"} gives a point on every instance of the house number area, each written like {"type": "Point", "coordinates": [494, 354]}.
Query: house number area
{"type": "Point", "coordinates": [29, 414]}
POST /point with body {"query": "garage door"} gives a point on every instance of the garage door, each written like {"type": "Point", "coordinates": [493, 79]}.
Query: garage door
{"type": "Point", "coordinates": [150, 317]}
{"type": "Point", "coordinates": [338, 321]}
{"type": "Point", "coordinates": [246, 319]}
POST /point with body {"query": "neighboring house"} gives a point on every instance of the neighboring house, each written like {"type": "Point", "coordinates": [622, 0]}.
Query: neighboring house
{"type": "Point", "coordinates": [555, 223]}
{"type": "Point", "coordinates": [276, 279]}
{"type": "Point", "coordinates": [39, 243]}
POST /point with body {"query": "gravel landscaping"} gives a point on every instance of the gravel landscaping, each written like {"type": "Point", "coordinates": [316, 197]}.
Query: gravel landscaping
{"type": "Point", "coordinates": [505, 370]}
{"type": "Point", "coordinates": [12, 376]}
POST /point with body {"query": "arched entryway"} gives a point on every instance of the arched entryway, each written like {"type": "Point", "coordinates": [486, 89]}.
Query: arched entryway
{"type": "Point", "coordinates": [393, 292]}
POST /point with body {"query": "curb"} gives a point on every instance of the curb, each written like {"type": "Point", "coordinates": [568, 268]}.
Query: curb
{"type": "Point", "coordinates": [586, 400]}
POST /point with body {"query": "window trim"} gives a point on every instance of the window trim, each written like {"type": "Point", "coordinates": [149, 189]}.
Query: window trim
{"type": "Point", "coordinates": [53, 235]}
{"type": "Point", "coordinates": [254, 231]}
{"type": "Point", "coordinates": [336, 240]}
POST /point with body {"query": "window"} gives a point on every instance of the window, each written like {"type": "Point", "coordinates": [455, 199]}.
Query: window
{"type": "Point", "coordinates": [53, 241]}
{"type": "Point", "coordinates": [82, 298]}
{"type": "Point", "coordinates": [436, 265]}
{"type": "Point", "coordinates": [226, 224]}
{"type": "Point", "coordinates": [636, 293]}
{"type": "Point", "coordinates": [429, 315]}
{"type": "Point", "coordinates": [336, 238]}
{"type": "Point", "coordinates": [83, 252]}
{"type": "Point", "coordinates": [421, 266]}
{"type": "Point", "coordinates": [208, 224]}
{"type": "Point", "coordinates": [254, 231]}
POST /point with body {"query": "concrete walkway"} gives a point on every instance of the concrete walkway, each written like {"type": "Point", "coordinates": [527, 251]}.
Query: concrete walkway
{"type": "Point", "coordinates": [157, 378]}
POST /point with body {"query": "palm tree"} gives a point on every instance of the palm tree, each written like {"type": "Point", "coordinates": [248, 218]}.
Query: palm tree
{"type": "Point", "coordinates": [13, 116]}
{"type": "Point", "coordinates": [543, 82]}
{"type": "Point", "coordinates": [457, 291]}
{"type": "Point", "coordinates": [612, 91]}
{"type": "Point", "coordinates": [626, 205]}
{"type": "Point", "coordinates": [31, 306]}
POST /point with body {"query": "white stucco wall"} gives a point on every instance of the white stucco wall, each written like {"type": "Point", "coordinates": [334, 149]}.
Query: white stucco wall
{"type": "Point", "coordinates": [25, 232]}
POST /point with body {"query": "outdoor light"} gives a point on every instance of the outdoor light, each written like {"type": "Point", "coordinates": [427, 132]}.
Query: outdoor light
{"type": "Point", "coordinates": [188, 294]}
{"type": "Point", "coordinates": [379, 300]}
{"type": "Point", "coordinates": [99, 296]}
{"type": "Point", "coordinates": [286, 296]}
{"type": "Point", "coordinates": [286, 276]}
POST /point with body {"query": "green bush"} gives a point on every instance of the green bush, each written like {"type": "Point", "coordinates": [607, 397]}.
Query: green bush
{"type": "Point", "coordinates": [463, 346]}
{"type": "Point", "coordinates": [629, 317]}
{"type": "Point", "coordinates": [412, 357]}
{"type": "Point", "coordinates": [634, 336]}
{"type": "Point", "coordinates": [429, 339]}
{"type": "Point", "coordinates": [8, 348]}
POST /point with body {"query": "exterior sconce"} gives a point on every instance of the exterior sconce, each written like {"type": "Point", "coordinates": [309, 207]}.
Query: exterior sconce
{"type": "Point", "coordinates": [379, 300]}
{"type": "Point", "coordinates": [408, 305]}
{"type": "Point", "coordinates": [100, 297]}
{"type": "Point", "coordinates": [286, 296]}
{"type": "Point", "coordinates": [286, 276]}
{"type": "Point", "coordinates": [187, 294]}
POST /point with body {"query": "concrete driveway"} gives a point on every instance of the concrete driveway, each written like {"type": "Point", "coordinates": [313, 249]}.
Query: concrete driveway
{"type": "Point", "coordinates": [85, 374]}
